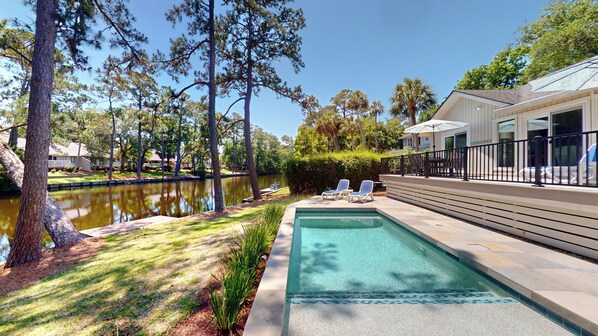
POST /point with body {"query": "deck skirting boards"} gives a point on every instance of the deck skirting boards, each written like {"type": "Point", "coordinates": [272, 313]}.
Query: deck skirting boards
{"type": "Point", "coordinates": [565, 218]}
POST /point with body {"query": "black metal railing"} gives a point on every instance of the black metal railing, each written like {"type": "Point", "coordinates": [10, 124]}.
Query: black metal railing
{"type": "Point", "coordinates": [568, 159]}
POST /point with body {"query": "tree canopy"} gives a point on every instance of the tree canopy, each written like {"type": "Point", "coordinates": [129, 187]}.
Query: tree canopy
{"type": "Point", "coordinates": [565, 33]}
{"type": "Point", "coordinates": [504, 72]}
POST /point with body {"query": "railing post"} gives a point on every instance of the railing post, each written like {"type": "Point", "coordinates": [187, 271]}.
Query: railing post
{"type": "Point", "coordinates": [427, 165]}
{"type": "Point", "coordinates": [402, 165]}
{"type": "Point", "coordinates": [537, 162]}
{"type": "Point", "coordinates": [465, 162]}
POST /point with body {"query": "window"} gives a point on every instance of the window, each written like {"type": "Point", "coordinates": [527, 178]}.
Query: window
{"type": "Point", "coordinates": [449, 143]}
{"type": "Point", "coordinates": [506, 136]}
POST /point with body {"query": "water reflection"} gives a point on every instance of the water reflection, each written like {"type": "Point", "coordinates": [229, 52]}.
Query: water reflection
{"type": "Point", "coordinates": [94, 207]}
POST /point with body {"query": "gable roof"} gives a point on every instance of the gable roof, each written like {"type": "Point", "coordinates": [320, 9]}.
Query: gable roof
{"type": "Point", "coordinates": [577, 77]}
{"type": "Point", "coordinates": [510, 97]}
{"type": "Point", "coordinates": [55, 149]}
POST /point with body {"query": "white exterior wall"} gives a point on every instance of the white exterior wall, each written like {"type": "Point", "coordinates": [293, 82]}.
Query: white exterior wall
{"type": "Point", "coordinates": [477, 114]}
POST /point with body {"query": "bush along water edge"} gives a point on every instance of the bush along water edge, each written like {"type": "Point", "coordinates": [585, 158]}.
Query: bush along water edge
{"type": "Point", "coordinates": [314, 174]}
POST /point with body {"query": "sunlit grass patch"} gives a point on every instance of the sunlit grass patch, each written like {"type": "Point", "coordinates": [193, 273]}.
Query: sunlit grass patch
{"type": "Point", "coordinates": [141, 282]}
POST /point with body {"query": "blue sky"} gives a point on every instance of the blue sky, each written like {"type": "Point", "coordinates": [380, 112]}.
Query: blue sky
{"type": "Point", "coordinates": [371, 47]}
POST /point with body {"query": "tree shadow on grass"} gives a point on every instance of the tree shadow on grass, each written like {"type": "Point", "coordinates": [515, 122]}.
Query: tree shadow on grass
{"type": "Point", "coordinates": [141, 289]}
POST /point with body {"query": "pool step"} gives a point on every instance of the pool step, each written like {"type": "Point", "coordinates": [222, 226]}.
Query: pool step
{"type": "Point", "coordinates": [431, 297]}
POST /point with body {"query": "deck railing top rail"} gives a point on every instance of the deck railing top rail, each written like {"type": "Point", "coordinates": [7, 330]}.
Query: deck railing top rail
{"type": "Point", "coordinates": [564, 159]}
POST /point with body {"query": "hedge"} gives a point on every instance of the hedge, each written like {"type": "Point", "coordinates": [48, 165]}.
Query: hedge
{"type": "Point", "coordinates": [312, 175]}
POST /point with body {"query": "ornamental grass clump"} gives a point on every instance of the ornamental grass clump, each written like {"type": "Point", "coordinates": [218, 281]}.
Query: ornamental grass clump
{"type": "Point", "coordinates": [240, 267]}
{"type": "Point", "coordinates": [271, 216]}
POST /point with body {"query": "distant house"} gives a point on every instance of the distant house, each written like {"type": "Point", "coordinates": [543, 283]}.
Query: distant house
{"type": "Point", "coordinates": [155, 160]}
{"type": "Point", "coordinates": [60, 157]}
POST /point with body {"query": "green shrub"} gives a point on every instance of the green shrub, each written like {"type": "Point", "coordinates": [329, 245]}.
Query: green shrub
{"type": "Point", "coordinates": [314, 174]}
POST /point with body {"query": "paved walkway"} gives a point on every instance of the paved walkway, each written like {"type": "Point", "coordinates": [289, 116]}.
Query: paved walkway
{"type": "Point", "coordinates": [126, 226]}
{"type": "Point", "coordinates": [562, 283]}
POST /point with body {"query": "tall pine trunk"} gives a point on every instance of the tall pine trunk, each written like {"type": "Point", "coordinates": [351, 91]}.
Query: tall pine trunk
{"type": "Point", "coordinates": [27, 243]}
{"type": "Point", "coordinates": [139, 150]}
{"type": "Point", "coordinates": [255, 187]}
{"type": "Point", "coordinates": [14, 135]}
{"type": "Point", "coordinates": [56, 222]}
{"type": "Point", "coordinates": [177, 168]}
{"type": "Point", "coordinates": [218, 197]}
{"type": "Point", "coordinates": [112, 134]}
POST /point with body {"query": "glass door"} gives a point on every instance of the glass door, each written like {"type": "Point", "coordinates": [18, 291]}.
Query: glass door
{"type": "Point", "coordinates": [566, 144]}
{"type": "Point", "coordinates": [460, 140]}
{"type": "Point", "coordinates": [537, 127]}
{"type": "Point", "coordinates": [506, 136]}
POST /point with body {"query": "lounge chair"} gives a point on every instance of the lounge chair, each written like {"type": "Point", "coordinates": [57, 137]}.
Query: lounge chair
{"type": "Point", "coordinates": [365, 190]}
{"type": "Point", "coordinates": [343, 186]}
{"type": "Point", "coordinates": [587, 167]}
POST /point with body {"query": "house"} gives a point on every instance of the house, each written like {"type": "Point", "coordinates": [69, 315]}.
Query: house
{"type": "Point", "coordinates": [424, 141]}
{"type": "Point", "coordinates": [60, 156]}
{"type": "Point", "coordinates": [559, 103]}
{"type": "Point", "coordinates": [524, 164]}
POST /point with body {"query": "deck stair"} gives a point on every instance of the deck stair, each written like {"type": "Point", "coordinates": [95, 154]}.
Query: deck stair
{"type": "Point", "coordinates": [449, 296]}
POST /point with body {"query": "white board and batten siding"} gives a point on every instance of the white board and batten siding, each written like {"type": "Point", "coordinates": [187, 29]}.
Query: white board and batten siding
{"type": "Point", "coordinates": [477, 113]}
{"type": "Point", "coordinates": [563, 217]}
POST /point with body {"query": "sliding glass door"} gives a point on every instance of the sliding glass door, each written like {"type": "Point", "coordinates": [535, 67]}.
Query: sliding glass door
{"type": "Point", "coordinates": [506, 136]}
{"type": "Point", "coordinates": [566, 143]}
{"type": "Point", "coordinates": [537, 127]}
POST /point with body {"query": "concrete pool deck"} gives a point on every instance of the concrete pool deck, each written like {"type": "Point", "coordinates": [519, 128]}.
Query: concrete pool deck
{"type": "Point", "coordinates": [563, 284]}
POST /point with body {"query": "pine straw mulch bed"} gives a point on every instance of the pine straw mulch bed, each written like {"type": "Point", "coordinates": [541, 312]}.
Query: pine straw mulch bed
{"type": "Point", "coordinates": [54, 261]}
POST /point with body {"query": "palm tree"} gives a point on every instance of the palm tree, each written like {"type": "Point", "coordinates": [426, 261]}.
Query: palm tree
{"type": "Point", "coordinates": [329, 125]}
{"type": "Point", "coordinates": [376, 109]}
{"type": "Point", "coordinates": [410, 98]}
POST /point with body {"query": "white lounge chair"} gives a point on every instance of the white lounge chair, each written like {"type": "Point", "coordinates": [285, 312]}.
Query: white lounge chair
{"type": "Point", "coordinates": [587, 167]}
{"type": "Point", "coordinates": [365, 191]}
{"type": "Point", "coordinates": [343, 186]}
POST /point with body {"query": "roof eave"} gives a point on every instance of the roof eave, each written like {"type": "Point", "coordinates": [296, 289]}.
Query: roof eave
{"type": "Point", "coordinates": [540, 100]}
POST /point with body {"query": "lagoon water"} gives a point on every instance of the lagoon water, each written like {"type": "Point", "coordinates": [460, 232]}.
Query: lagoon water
{"type": "Point", "coordinates": [100, 206]}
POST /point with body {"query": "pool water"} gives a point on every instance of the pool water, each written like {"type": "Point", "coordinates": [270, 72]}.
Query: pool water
{"type": "Point", "coordinates": [357, 256]}
{"type": "Point", "coordinates": [359, 273]}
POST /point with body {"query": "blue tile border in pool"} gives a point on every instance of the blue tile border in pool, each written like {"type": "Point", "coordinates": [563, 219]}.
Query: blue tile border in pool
{"type": "Point", "coordinates": [395, 302]}
{"type": "Point", "coordinates": [390, 295]}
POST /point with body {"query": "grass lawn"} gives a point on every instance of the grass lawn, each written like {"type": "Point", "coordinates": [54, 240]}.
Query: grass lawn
{"type": "Point", "coordinates": [61, 177]}
{"type": "Point", "coordinates": [143, 282]}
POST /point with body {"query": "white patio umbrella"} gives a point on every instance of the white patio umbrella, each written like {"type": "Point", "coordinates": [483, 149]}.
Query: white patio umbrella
{"type": "Point", "coordinates": [433, 126]}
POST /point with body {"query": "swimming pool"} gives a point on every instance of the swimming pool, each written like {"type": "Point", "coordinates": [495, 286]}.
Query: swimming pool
{"type": "Point", "coordinates": [362, 259]}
